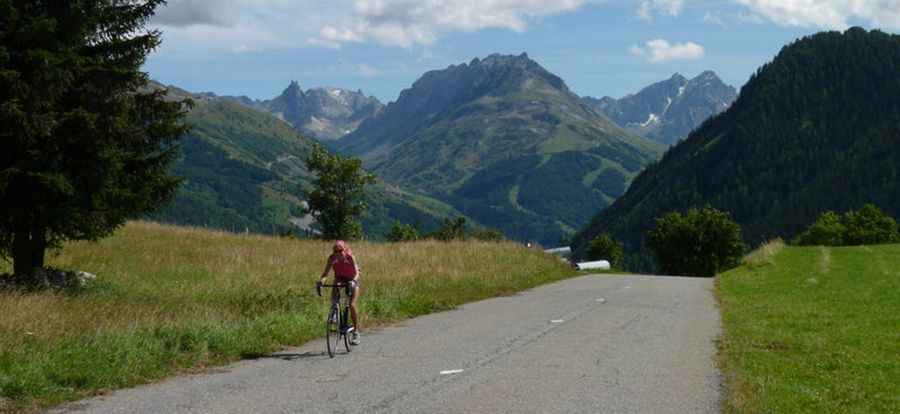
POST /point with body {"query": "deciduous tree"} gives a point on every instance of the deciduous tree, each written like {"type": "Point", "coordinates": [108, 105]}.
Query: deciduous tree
{"type": "Point", "coordinates": [338, 195]}
{"type": "Point", "coordinates": [701, 242]}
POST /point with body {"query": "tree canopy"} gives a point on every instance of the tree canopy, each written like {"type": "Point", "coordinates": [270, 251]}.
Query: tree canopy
{"type": "Point", "coordinates": [85, 144]}
{"type": "Point", "coordinates": [338, 195]}
{"type": "Point", "coordinates": [701, 242]}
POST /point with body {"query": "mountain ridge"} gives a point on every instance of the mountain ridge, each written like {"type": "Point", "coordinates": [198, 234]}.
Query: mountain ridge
{"type": "Point", "coordinates": [483, 136]}
{"type": "Point", "coordinates": [668, 110]}
{"type": "Point", "coordinates": [243, 169]}
{"type": "Point", "coordinates": [815, 129]}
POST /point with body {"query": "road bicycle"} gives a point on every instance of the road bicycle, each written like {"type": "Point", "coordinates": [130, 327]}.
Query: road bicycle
{"type": "Point", "coordinates": [338, 327]}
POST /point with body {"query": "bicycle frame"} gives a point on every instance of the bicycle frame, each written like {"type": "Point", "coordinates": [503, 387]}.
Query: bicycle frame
{"type": "Point", "coordinates": [338, 313]}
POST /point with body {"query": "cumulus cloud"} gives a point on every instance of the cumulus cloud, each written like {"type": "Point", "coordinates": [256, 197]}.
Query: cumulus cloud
{"type": "Point", "coordinates": [409, 22]}
{"type": "Point", "coordinates": [660, 50]}
{"type": "Point", "coordinates": [368, 71]}
{"type": "Point", "coordinates": [648, 7]}
{"type": "Point", "coordinates": [828, 14]}
{"type": "Point", "coordinates": [715, 18]}
{"type": "Point", "coordinates": [183, 13]}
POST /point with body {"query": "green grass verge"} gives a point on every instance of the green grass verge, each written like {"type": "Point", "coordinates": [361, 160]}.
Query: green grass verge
{"type": "Point", "coordinates": [813, 330]}
{"type": "Point", "coordinates": [172, 299]}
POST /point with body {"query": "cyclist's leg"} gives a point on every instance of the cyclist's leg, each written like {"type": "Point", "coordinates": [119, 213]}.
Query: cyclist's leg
{"type": "Point", "coordinates": [353, 299]}
{"type": "Point", "coordinates": [335, 296]}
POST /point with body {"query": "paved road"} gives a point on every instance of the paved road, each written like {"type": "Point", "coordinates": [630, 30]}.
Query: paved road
{"type": "Point", "coordinates": [593, 344]}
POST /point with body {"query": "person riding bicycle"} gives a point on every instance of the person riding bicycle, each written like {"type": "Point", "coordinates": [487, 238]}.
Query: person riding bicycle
{"type": "Point", "coordinates": [345, 271]}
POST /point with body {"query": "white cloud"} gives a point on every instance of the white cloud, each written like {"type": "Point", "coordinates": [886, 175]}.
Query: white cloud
{"type": "Point", "coordinates": [715, 18]}
{"type": "Point", "coordinates": [648, 7]}
{"type": "Point", "coordinates": [183, 13]}
{"type": "Point", "coordinates": [368, 71]}
{"type": "Point", "coordinates": [660, 50]}
{"type": "Point", "coordinates": [422, 22]}
{"type": "Point", "coordinates": [828, 14]}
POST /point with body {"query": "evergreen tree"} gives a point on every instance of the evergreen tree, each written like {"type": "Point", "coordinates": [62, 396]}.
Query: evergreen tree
{"type": "Point", "coordinates": [338, 197]}
{"type": "Point", "coordinates": [85, 144]}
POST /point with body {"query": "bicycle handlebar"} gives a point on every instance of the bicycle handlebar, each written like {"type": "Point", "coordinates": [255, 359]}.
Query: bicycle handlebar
{"type": "Point", "coordinates": [320, 285]}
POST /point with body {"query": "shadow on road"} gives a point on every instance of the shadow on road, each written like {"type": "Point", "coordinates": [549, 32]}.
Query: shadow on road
{"type": "Point", "coordinates": [286, 356]}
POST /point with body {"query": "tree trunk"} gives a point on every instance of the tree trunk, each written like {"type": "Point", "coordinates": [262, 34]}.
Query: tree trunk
{"type": "Point", "coordinates": [29, 245]}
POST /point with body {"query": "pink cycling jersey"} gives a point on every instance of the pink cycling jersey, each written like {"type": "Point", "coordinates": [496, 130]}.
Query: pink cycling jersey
{"type": "Point", "coordinates": [344, 266]}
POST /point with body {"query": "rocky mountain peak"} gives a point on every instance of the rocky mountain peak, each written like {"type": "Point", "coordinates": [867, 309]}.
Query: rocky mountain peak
{"type": "Point", "coordinates": [668, 110]}
{"type": "Point", "coordinates": [325, 113]}
{"type": "Point", "coordinates": [293, 89]}
{"type": "Point", "coordinates": [678, 78]}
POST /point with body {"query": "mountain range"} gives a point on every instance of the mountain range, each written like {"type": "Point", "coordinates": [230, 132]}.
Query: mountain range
{"type": "Point", "coordinates": [815, 129]}
{"type": "Point", "coordinates": [323, 113]}
{"type": "Point", "coordinates": [507, 143]}
{"type": "Point", "coordinates": [668, 111]}
{"type": "Point", "coordinates": [244, 170]}
{"type": "Point", "coordinates": [498, 140]}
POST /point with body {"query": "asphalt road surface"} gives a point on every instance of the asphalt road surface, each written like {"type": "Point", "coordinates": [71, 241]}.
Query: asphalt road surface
{"type": "Point", "coordinates": [593, 344]}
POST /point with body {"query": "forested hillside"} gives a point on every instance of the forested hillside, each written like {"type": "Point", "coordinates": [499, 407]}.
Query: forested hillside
{"type": "Point", "coordinates": [506, 142]}
{"type": "Point", "coordinates": [816, 129]}
{"type": "Point", "coordinates": [242, 170]}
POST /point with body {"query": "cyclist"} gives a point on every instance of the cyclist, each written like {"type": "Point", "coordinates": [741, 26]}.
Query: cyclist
{"type": "Point", "coordinates": [345, 271]}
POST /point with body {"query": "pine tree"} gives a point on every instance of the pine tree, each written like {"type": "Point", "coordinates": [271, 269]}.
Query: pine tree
{"type": "Point", "coordinates": [86, 145]}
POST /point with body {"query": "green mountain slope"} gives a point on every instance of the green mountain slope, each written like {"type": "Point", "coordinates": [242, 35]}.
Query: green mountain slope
{"type": "Point", "coordinates": [242, 169]}
{"type": "Point", "coordinates": [507, 143]}
{"type": "Point", "coordinates": [818, 128]}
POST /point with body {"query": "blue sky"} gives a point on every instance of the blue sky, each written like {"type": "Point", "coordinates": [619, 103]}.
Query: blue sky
{"type": "Point", "coordinates": [599, 47]}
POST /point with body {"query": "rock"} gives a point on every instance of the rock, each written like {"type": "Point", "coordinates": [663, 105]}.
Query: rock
{"type": "Point", "coordinates": [84, 278]}
{"type": "Point", "coordinates": [60, 279]}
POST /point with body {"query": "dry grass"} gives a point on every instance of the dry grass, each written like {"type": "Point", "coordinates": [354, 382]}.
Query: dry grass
{"type": "Point", "coordinates": [765, 254]}
{"type": "Point", "coordinates": [191, 297]}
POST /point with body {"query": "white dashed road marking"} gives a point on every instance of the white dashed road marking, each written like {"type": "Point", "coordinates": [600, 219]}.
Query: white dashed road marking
{"type": "Point", "coordinates": [451, 371]}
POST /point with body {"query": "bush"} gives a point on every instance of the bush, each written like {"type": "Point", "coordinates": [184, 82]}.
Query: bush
{"type": "Point", "coordinates": [487, 235]}
{"type": "Point", "coordinates": [702, 242]}
{"type": "Point", "coordinates": [403, 232]}
{"type": "Point", "coordinates": [827, 230]}
{"type": "Point", "coordinates": [450, 230]}
{"type": "Point", "coordinates": [605, 247]}
{"type": "Point", "coordinates": [868, 225]}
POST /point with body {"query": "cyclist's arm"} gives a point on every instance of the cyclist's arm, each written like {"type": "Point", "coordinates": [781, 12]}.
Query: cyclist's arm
{"type": "Point", "coordinates": [355, 268]}
{"type": "Point", "coordinates": [328, 264]}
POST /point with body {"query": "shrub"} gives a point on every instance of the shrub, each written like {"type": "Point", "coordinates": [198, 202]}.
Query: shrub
{"type": "Point", "coordinates": [702, 242]}
{"type": "Point", "coordinates": [868, 225]}
{"type": "Point", "coordinates": [450, 230]}
{"type": "Point", "coordinates": [605, 247]}
{"type": "Point", "coordinates": [827, 230]}
{"type": "Point", "coordinates": [487, 235]}
{"type": "Point", "coordinates": [403, 232]}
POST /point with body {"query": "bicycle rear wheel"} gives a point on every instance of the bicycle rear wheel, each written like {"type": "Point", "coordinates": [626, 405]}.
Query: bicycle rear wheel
{"type": "Point", "coordinates": [332, 331]}
{"type": "Point", "coordinates": [345, 323]}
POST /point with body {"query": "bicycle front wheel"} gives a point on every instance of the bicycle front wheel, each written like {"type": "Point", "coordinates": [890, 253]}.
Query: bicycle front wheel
{"type": "Point", "coordinates": [332, 332]}
{"type": "Point", "coordinates": [345, 322]}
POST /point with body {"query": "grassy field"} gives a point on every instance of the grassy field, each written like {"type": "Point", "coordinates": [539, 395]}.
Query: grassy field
{"type": "Point", "coordinates": [172, 299]}
{"type": "Point", "coordinates": [813, 330]}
